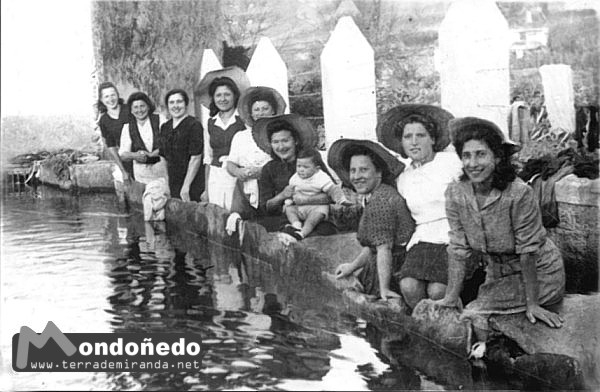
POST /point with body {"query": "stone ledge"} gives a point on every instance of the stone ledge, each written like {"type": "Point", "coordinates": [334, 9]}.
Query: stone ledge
{"type": "Point", "coordinates": [575, 190]}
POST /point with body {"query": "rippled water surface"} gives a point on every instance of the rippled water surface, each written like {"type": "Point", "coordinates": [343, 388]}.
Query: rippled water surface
{"type": "Point", "coordinates": [89, 265]}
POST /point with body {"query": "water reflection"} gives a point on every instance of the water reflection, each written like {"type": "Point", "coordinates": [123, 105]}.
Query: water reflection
{"type": "Point", "coordinates": [89, 264]}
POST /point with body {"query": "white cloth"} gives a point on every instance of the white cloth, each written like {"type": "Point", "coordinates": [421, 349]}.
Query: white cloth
{"type": "Point", "coordinates": [142, 172]}
{"type": "Point", "coordinates": [423, 188]}
{"type": "Point", "coordinates": [154, 199]}
{"type": "Point", "coordinates": [316, 184]}
{"type": "Point", "coordinates": [208, 152]}
{"type": "Point", "coordinates": [246, 153]}
{"type": "Point", "coordinates": [220, 187]}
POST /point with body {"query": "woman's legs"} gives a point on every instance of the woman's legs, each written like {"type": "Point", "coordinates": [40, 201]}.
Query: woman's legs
{"type": "Point", "coordinates": [413, 290]}
{"type": "Point", "coordinates": [436, 290]}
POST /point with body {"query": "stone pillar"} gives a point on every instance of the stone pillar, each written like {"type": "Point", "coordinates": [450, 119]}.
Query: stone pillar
{"type": "Point", "coordinates": [267, 68]}
{"type": "Point", "coordinates": [348, 83]}
{"type": "Point", "coordinates": [474, 44]}
{"type": "Point", "coordinates": [559, 96]}
{"type": "Point", "coordinates": [210, 62]}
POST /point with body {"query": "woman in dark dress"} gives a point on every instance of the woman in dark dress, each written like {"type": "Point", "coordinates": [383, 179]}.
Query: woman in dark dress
{"type": "Point", "coordinates": [113, 115]}
{"type": "Point", "coordinates": [181, 144]}
{"type": "Point", "coordinates": [283, 137]}
{"type": "Point", "coordinates": [385, 225]}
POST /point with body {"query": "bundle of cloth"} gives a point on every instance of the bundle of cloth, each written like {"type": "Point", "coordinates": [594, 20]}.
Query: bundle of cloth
{"type": "Point", "coordinates": [154, 200]}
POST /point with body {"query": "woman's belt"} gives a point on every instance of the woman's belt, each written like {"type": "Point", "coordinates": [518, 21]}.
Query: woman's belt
{"type": "Point", "coordinates": [502, 264]}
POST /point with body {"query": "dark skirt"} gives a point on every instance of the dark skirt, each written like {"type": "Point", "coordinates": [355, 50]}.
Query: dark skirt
{"type": "Point", "coordinates": [426, 261]}
{"type": "Point", "coordinates": [369, 278]}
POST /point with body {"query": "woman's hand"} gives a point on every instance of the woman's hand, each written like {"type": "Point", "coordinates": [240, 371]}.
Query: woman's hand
{"type": "Point", "coordinates": [185, 193]}
{"type": "Point", "coordinates": [301, 199]}
{"type": "Point", "coordinates": [141, 156]}
{"type": "Point", "coordinates": [449, 302]}
{"type": "Point", "coordinates": [534, 312]}
{"type": "Point", "coordinates": [343, 270]}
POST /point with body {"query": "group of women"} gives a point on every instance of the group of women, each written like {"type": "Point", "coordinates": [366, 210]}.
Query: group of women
{"type": "Point", "coordinates": [428, 220]}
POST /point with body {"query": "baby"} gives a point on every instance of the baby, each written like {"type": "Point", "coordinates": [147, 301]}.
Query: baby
{"type": "Point", "coordinates": [311, 178]}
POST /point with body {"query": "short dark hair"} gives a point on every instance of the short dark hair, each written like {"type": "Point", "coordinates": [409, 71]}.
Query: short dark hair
{"type": "Point", "coordinates": [103, 86]}
{"type": "Point", "coordinates": [222, 81]}
{"type": "Point", "coordinates": [185, 96]}
{"type": "Point", "coordinates": [140, 96]}
{"type": "Point", "coordinates": [504, 172]}
{"type": "Point", "coordinates": [316, 158]}
{"type": "Point", "coordinates": [263, 96]}
{"type": "Point", "coordinates": [353, 151]}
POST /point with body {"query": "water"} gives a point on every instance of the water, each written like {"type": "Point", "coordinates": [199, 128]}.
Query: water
{"type": "Point", "coordinates": [90, 266]}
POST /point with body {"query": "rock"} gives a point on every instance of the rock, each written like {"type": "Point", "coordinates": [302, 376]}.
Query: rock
{"type": "Point", "coordinates": [578, 338]}
{"type": "Point", "coordinates": [542, 371]}
{"type": "Point", "coordinates": [443, 325]}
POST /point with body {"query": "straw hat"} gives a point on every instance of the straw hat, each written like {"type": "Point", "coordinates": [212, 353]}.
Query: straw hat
{"type": "Point", "coordinates": [341, 151]}
{"type": "Point", "coordinates": [458, 125]}
{"type": "Point", "coordinates": [390, 135]}
{"type": "Point", "coordinates": [259, 93]}
{"type": "Point", "coordinates": [292, 122]}
{"type": "Point", "coordinates": [235, 73]}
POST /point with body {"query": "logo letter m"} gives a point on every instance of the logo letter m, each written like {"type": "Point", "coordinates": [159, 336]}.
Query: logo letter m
{"type": "Point", "coordinates": [27, 335]}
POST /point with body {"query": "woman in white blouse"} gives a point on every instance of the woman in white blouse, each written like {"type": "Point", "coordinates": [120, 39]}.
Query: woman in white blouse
{"type": "Point", "coordinates": [139, 140]}
{"type": "Point", "coordinates": [420, 133]}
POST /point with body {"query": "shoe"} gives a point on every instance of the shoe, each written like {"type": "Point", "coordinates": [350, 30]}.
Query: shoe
{"type": "Point", "coordinates": [292, 231]}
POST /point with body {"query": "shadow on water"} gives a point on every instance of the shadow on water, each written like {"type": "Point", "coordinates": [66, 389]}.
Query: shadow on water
{"type": "Point", "coordinates": [260, 329]}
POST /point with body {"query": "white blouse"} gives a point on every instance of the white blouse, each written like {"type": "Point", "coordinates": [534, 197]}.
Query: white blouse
{"type": "Point", "coordinates": [423, 188]}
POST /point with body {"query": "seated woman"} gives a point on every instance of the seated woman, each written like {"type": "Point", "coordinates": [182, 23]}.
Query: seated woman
{"type": "Point", "coordinates": [312, 178]}
{"type": "Point", "coordinates": [181, 144]}
{"type": "Point", "coordinates": [283, 137]}
{"type": "Point", "coordinates": [420, 133]}
{"type": "Point", "coordinates": [139, 140]}
{"type": "Point", "coordinates": [385, 225]}
{"type": "Point", "coordinates": [246, 159]}
{"type": "Point", "coordinates": [223, 88]}
{"type": "Point", "coordinates": [493, 212]}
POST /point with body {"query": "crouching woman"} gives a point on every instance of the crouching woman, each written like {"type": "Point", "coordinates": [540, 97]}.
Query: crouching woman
{"type": "Point", "coordinates": [385, 225]}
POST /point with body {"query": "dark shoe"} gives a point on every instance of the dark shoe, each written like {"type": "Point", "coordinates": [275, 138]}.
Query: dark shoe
{"type": "Point", "coordinates": [292, 231]}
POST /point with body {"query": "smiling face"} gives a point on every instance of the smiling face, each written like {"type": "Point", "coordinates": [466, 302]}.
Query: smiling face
{"type": "Point", "coordinates": [109, 97]}
{"type": "Point", "coordinates": [478, 161]}
{"type": "Point", "coordinates": [364, 176]}
{"type": "Point", "coordinates": [283, 145]}
{"type": "Point", "coordinates": [224, 98]}
{"type": "Point", "coordinates": [417, 143]}
{"type": "Point", "coordinates": [140, 110]}
{"type": "Point", "coordinates": [261, 109]}
{"type": "Point", "coordinates": [176, 106]}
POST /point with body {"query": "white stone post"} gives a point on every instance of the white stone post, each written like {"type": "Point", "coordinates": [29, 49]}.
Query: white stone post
{"type": "Point", "coordinates": [348, 83]}
{"type": "Point", "coordinates": [559, 96]}
{"type": "Point", "coordinates": [210, 62]}
{"type": "Point", "coordinates": [267, 68]}
{"type": "Point", "coordinates": [473, 60]}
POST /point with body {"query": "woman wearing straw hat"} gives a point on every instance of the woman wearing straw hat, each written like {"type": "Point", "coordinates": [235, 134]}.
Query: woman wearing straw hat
{"type": "Point", "coordinates": [220, 91]}
{"type": "Point", "coordinates": [385, 225]}
{"type": "Point", "coordinates": [282, 137]}
{"type": "Point", "coordinates": [246, 159]}
{"type": "Point", "coordinates": [494, 213]}
{"type": "Point", "coordinates": [420, 133]}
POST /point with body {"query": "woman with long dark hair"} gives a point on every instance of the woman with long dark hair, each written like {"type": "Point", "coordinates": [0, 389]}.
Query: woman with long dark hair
{"type": "Point", "coordinates": [495, 214]}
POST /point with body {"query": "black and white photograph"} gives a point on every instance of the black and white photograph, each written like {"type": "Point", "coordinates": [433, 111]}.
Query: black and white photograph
{"type": "Point", "coordinates": [309, 195]}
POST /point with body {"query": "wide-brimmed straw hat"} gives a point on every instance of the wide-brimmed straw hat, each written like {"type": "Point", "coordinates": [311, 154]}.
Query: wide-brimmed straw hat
{"type": "Point", "coordinates": [390, 133]}
{"type": "Point", "coordinates": [458, 125]}
{"type": "Point", "coordinates": [291, 122]}
{"type": "Point", "coordinates": [342, 150]}
{"type": "Point", "coordinates": [235, 73]}
{"type": "Point", "coordinates": [259, 93]}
